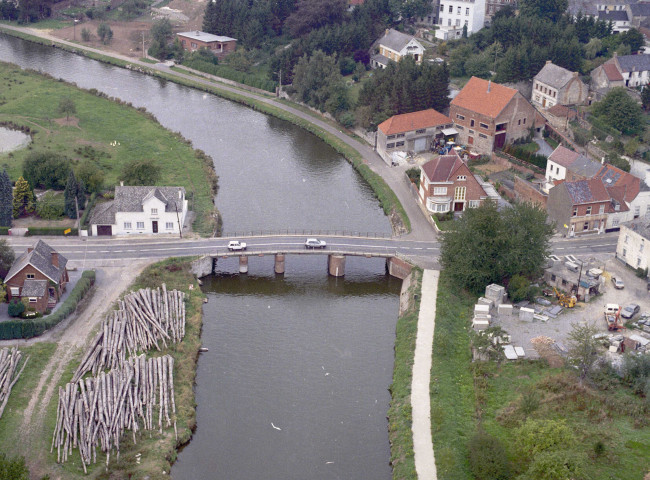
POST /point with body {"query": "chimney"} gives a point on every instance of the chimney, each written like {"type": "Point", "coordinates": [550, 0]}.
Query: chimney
{"type": "Point", "coordinates": [121, 183]}
{"type": "Point", "coordinates": [548, 61]}
{"type": "Point", "coordinates": [55, 259]}
{"type": "Point", "coordinates": [180, 194]}
{"type": "Point", "coordinates": [198, 33]}
{"type": "Point", "coordinates": [575, 74]}
{"type": "Point", "coordinates": [387, 30]}
{"type": "Point", "coordinates": [489, 84]}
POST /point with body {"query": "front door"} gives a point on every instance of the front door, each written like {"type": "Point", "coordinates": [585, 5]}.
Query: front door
{"type": "Point", "coordinates": [499, 140]}
{"type": "Point", "coordinates": [458, 206]}
{"type": "Point", "coordinates": [470, 140]}
{"type": "Point", "coordinates": [154, 226]}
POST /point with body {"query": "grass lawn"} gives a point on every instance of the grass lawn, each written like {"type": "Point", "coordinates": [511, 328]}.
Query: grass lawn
{"type": "Point", "coordinates": [113, 133]}
{"type": "Point", "coordinates": [552, 142]}
{"type": "Point", "coordinates": [531, 147]}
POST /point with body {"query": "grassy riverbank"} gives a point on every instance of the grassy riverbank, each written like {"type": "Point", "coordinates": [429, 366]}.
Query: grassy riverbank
{"type": "Point", "coordinates": [387, 198]}
{"type": "Point", "coordinates": [105, 132]}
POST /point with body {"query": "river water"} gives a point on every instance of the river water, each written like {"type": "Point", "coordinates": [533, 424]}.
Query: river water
{"type": "Point", "coordinates": [295, 384]}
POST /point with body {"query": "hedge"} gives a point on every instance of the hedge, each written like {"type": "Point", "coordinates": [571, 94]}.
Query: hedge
{"type": "Point", "coordinates": [522, 154]}
{"type": "Point", "coordinates": [230, 74]}
{"type": "Point", "coordinates": [4, 230]}
{"type": "Point", "coordinates": [32, 231]}
{"type": "Point", "coordinates": [32, 328]}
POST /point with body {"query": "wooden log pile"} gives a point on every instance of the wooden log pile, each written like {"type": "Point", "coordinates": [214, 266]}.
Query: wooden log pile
{"type": "Point", "coordinates": [9, 373]}
{"type": "Point", "coordinates": [96, 411]}
{"type": "Point", "coordinates": [145, 319]}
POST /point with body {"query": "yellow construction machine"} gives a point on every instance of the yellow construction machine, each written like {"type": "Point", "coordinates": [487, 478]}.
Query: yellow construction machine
{"type": "Point", "coordinates": [567, 301]}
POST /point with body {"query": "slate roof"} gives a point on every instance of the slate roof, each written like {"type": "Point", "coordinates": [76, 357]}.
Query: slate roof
{"type": "Point", "coordinates": [395, 40]}
{"type": "Point", "coordinates": [640, 9]}
{"type": "Point", "coordinates": [34, 288]}
{"type": "Point", "coordinates": [637, 63]}
{"type": "Point", "coordinates": [40, 258]}
{"type": "Point", "coordinates": [408, 122]}
{"type": "Point", "coordinates": [612, 72]}
{"type": "Point", "coordinates": [640, 226]}
{"type": "Point", "coordinates": [574, 161]}
{"type": "Point", "coordinates": [440, 168]}
{"type": "Point", "coordinates": [587, 7]}
{"type": "Point", "coordinates": [613, 16]}
{"type": "Point", "coordinates": [130, 199]}
{"type": "Point", "coordinates": [206, 37]}
{"type": "Point", "coordinates": [586, 191]}
{"type": "Point", "coordinates": [475, 97]}
{"type": "Point", "coordinates": [379, 58]}
{"type": "Point", "coordinates": [554, 75]}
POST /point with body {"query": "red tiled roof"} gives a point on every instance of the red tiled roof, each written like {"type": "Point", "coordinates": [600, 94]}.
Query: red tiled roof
{"type": "Point", "coordinates": [355, 2]}
{"type": "Point", "coordinates": [618, 194]}
{"type": "Point", "coordinates": [407, 122]}
{"type": "Point", "coordinates": [563, 156]}
{"type": "Point", "coordinates": [612, 72]}
{"type": "Point", "coordinates": [612, 176]}
{"type": "Point", "coordinates": [561, 111]}
{"type": "Point", "coordinates": [441, 168]}
{"type": "Point", "coordinates": [475, 97]}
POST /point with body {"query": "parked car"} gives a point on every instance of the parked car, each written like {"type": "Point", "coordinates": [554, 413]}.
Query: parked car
{"type": "Point", "coordinates": [618, 283]}
{"type": "Point", "coordinates": [630, 310]}
{"type": "Point", "coordinates": [236, 245]}
{"type": "Point", "coordinates": [315, 243]}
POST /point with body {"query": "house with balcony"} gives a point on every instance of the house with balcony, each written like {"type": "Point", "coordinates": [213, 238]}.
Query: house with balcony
{"type": "Point", "coordinates": [141, 210]}
{"type": "Point", "coordinates": [488, 115]}
{"type": "Point", "coordinates": [554, 85]}
{"type": "Point", "coordinates": [633, 246]}
{"type": "Point", "coordinates": [38, 277]}
{"type": "Point", "coordinates": [447, 184]}
{"type": "Point", "coordinates": [412, 132]}
{"type": "Point", "coordinates": [454, 15]}
{"type": "Point", "coordinates": [394, 46]}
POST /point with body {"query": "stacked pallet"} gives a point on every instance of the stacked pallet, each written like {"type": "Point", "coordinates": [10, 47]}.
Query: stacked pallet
{"type": "Point", "coordinates": [145, 319]}
{"type": "Point", "coordinates": [96, 411]}
{"type": "Point", "coordinates": [9, 373]}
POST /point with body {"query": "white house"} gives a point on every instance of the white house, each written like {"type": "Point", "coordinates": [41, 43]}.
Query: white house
{"type": "Point", "coordinates": [555, 85]}
{"type": "Point", "coordinates": [633, 245]}
{"type": "Point", "coordinates": [393, 46]}
{"type": "Point", "coordinates": [141, 210]}
{"type": "Point", "coordinates": [454, 14]}
{"type": "Point", "coordinates": [565, 164]}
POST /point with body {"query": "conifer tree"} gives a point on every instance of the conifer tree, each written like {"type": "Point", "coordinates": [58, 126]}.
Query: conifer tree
{"type": "Point", "coordinates": [70, 194]}
{"type": "Point", "coordinates": [23, 198]}
{"type": "Point", "coordinates": [6, 200]}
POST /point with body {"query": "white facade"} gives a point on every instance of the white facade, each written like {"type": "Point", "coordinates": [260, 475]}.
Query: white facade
{"type": "Point", "coordinates": [636, 79]}
{"type": "Point", "coordinates": [153, 217]}
{"type": "Point", "coordinates": [413, 48]}
{"type": "Point", "coordinates": [633, 248]}
{"type": "Point", "coordinates": [454, 14]}
{"type": "Point", "coordinates": [554, 171]}
{"type": "Point", "coordinates": [638, 208]}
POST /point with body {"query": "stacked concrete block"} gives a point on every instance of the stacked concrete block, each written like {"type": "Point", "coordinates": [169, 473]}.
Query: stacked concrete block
{"type": "Point", "coordinates": [485, 301]}
{"type": "Point", "coordinates": [496, 293]}
{"type": "Point", "coordinates": [480, 309]}
{"type": "Point", "coordinates": [526, 314]}
{"type": "Point", "coordinates": [480, 323]}
{"type": "Point", "coordinates": [505, 309]}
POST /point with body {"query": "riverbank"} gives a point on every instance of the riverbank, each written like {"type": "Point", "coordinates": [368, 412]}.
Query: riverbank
{"type": "Point", "coordinates": [366, 164]}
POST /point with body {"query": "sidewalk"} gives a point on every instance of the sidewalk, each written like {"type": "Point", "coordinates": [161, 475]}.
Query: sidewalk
{"type": "Point", "coordinates": [425, 464]}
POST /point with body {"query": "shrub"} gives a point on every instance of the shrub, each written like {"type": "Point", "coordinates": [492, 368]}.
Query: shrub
{"type": "Point", "coordinates": [519, 288]}
{"type": "Point", "coordinates": [487, 457]}
{"type": "Point", "coordinates": [55, 231]}
{"type": "Point", "coordinates": [636, 373]}
{"type": "Point", "coordinates": [50, 206]}
{"type": "Point", "coordinates": [414, 175]}
{"type": "Point", "coordinates": [46, 170]}
{"type": "Point", "coordinates": [16, 307]}
{"type": "Point", "coordinates": [641, 272]}
{"type": "Point", "coordinates": [556, 465]}
{"type": "Point", "coordinates": [85, 33]}
{"type": "Point", "coordinates": [538, 436]}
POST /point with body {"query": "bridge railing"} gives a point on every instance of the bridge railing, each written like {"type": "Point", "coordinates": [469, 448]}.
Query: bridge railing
{"type": "Point", "coordinates": [305, 233]}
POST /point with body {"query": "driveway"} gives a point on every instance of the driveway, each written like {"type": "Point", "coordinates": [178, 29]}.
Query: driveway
{"type": "Point", "coordinates": [544, 148]}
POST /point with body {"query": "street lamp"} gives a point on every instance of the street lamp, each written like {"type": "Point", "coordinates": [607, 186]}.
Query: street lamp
{"type": "Point", "coordinates": [74, 30]}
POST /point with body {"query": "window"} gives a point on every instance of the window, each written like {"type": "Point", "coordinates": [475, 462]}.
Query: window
{"type": "Point", "coordinates": [154, 211]}
{"type": "Point", "coordinates": [471, 131]}
{"type": "Point", "coordinates": [467, 11]}
{"type": "Point", "coordinates": [473, 203]}
{"type": "Point", "coordinates": [140, 225]}
{"type": "Point", "coordinates": [626, 238]}
{"type": "Point", "coordinates": [193, 44]}
{"type": "Point", "coordinates": [462, 117]}
{"type": "Point", "coordinates": [553, 277]}
{"type": "Point", "coordinates": [471, 122]}
{"type": "Point", "coordinates": [442, 208]}
{"type": "Point", "coordinates": [461, 178]}
{"type": "Point", "coordinates": [460, 127]}
{"type": "Point", "coordinates": [30, 276]}
{"type": "Point", "coordinates": [458, 10]}
{"type": "Point", "coordinates": [519, 122]}
{"type": "Point", "coordinates": [449, 21]}
{"type": "Point", "coordinates": [399, 144]}
{"type": "Point", "coordinates": [169, 225]}
{"type": "Point", "coordinates": [524, 121]}
{"type": "Point", "coordinates": [638, 264]}
{"type": "Point", "coordinates": [390, 137]}
{"type": "Point", "coordinates": [624, 252]}
{"type": "Point", "coordinates": [483, 125]}
{"type": "Point", "coordinates": [588, 210]}
{"type": "Point", "coordinates": [127, 225]}
{"type": "Point", "coordinates": [390, 145]}
{"type": "Point", "coordinates": [458, 21]}
{"type": "Point", "coordinates": [641, 247]}
{"type": "Point", "coordinates": [602, 209]}
{"type": "Point", "coordinates": [563, 282]}
{"type": "Point", "coordinates": [401, 135]}
{"type": "Point", "coordinates": [482, 136]}
{"type": "Point", "coordinates": [615, 222]}
{"type": "Point", "coordinates": [585, 226]}
{"type": "Point", "coordinates": [459, 193]}
{"type": "Point", "coordinates": [442, 7]}
{"type": "Point", "coordinates": [15, 291]}
{"type": "Point", "coordinates": [422, 130]}
{"type": "Point", "coordinates": [33, 299]}
{"type": "Point", "coordinates": [637, 211]}
{"type": "Point", "coordinates": [440, 190]}
{"type": "Point", "coordinates": [451, 9]}
{"type": "Point", "coordinates": [575, 211]}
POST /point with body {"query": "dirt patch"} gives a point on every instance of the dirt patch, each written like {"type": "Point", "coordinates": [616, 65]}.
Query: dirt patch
{"type": "Point", "coordinates": [67, 122]}
{"type": "Point", "coordinates": [544, 347]}
{"type": "Point", "coordinates": [26, 222]}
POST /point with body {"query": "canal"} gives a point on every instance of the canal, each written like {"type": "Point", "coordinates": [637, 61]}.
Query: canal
{"type": "Point", "coordinates": [295, 383]}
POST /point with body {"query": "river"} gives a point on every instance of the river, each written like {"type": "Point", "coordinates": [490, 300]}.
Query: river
{"type": "Point", "coordinates": [295, 384]}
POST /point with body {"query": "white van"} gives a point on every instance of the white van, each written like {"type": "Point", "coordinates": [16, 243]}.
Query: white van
{"type": "Point", "coordinates": [612, 308]}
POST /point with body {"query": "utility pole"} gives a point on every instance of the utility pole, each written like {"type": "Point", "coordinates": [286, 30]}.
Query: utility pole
{"type": "Point", "coordinates": [144, 52]}
{"type": "Point", "coordinates": [76, 205]}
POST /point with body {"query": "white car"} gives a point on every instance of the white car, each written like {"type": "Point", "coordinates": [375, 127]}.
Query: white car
{"type": "Point", "coordinates": [315, 243]}
{"type": "Point", "coordinates": [236, 245]}
{"type": "Point", "coordinates": [618, 283]}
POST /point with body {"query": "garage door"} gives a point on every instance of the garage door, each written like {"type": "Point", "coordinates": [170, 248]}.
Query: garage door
{"type": "Point", "coordinates": [420, 144]}
{"type": "Point", "coordinates": [104, 230]}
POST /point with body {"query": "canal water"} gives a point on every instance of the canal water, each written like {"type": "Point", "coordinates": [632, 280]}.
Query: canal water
{"type": "Point", "coordinates": [295, 383]}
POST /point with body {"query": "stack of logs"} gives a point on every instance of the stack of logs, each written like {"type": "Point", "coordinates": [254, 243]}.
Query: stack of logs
{"type": "Point", "coordinates": [96, 411]}
{"type": "Point", "coordinates": [9, 373]}
{"type": "Point", "coordinates": [145, 319]}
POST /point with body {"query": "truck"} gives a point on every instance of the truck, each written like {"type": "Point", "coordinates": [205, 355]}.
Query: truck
{"type": "Point", "coordinates": [613, 317]}
{"type": "Point", "coordinates": [236, 245]}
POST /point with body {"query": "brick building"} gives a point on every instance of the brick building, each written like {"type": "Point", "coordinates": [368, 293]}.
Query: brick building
{"type": "Point", "coordinates": [447, 184]}
{"type": "Point", "coordinates": [217, 44]}
{"type": "Point", "coordinates": [565, 164]}
{"type": "Point", "coordinates": [38, 277]}
{"type": "Point", "coordinates": [579, 207]}
{"type": "Point", "coordinates": [488, 115]}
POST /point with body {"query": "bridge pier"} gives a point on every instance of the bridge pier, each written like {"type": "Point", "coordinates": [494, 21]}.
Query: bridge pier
{"type": "Point", "coordinates": [398, 267]}
{"type": "Point", "coordinates": [336, 265]}
{"type": "Point", "coordinates": [279, 263]}
{"type": "Point", "coordinates": [243, 264]}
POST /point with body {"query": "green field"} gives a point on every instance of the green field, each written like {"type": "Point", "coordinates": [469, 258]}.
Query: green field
{"type": "Point", "coordinates": [115, 132]}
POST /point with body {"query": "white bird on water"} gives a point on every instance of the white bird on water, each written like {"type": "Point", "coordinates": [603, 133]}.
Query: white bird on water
{"type": "Point", "coordinates": [277, 428]}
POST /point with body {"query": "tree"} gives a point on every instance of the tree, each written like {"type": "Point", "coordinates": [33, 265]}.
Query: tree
{"type": "Point", "coordinates": [634, 39]}
{"type": "Point", "coordinates": [645, 98]}
{"type": "Point", "coordinates": [23, 198]}
{"type": "Point", "coordinates": [313, 14]}
{"type": "Point", "coordinates": [6, 200]}
{"type": "Point", "coordinates": [104, 33]}
{"type": "Point", "coordinates": [318, 83]}
{"type": "Point", "coordinates": [161, 35]}
{"type": "Point", "coordinates": [141, 172]}
{"type": "Point", "coordinates": [91, 176]}
{"type": "Point", "coordinates": [85, 34]}
{"type": "Point", "coordinates": [487, 246]}
{"type": "Point", "coordinates": [488, 458]}
{"type": "Point", "coordinates": [547, 9]}
{"type": "Point", "coordinates": [46, 170]}
{"type": "Point", "coordinates": [16, 307]}
{"type": "Point", "coordinates": [70, 196]}
{"type": "Point", "coordinates": [67, 107]}
{"type": "Point", "coordinates": [583, 348]}
{"type": "Point", "coordinates": [620, 111]}
{"type": "Point", "coordinates": [7, 257]}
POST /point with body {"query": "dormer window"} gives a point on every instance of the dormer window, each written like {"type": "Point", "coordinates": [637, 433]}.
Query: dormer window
{"type": "Point", "coordinates": [154, 211]}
